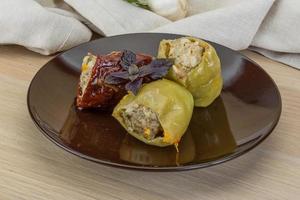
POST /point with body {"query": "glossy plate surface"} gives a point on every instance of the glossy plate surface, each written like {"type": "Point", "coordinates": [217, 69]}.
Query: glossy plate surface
{"type": "Point", "coordinates": [244, 115]}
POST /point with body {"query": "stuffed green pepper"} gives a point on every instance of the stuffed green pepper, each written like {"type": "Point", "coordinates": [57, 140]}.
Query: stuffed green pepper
{"type": "Point", "coordinates": [196, 67]}
{"type": "Point", "coordinates": [158, 115]}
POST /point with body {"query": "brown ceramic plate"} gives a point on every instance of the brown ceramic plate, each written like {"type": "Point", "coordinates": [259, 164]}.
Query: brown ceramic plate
{"type": "Point", "coordinates": [243, 116]}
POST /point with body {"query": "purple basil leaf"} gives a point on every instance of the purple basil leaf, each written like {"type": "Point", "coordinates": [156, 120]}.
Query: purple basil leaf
{"type": "Point", "coordinates": [128, 58]}
{"type": "Point", "coordinates": [133, 77]}
{"type": "Point", "coordinates": [157, 68]}
{"type": "Point", "coordinates": [113, 80]}
{"type": "Point", "coordinates": [161, 63]}
{"type": "Point", "coordinates": [124, 66]}
{"type": "Point", "coordinates": [122, 74]}
{"type": "Point", "coordinates": [134, 86]}
{"type": "Point", "coordinates": [159, 72]}
{"type": "Point", "coordinates": [146, 70]}
{"type": "Point", "coordinates": [133, 69]}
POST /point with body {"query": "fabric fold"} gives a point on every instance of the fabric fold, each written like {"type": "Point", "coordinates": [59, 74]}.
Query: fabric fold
{"type": "Point", "coordinates": [221, 26]}
{"type": "Point", "coordinates": [280, 30]}
{"type": "Point", "coordinates": [115, 17]}
{"type": "Point", "coordinates": [269, 27]}
{"type": "Point", "coordinates": [27, 23]}
{"type": "Point", "coordinates": [292, 59]}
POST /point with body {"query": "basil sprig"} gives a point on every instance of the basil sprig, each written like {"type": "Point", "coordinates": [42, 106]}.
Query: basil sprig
{"type": "Point", "coordinates": [139, 3]}
{"type": "Point", "coordinates": [133, 75]}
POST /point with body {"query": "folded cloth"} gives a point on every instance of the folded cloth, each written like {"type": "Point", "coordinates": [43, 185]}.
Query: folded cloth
{"type": "Point", "coordinates": [272, 28]}
{"type": "Point", "coordinates": [279, 35]}
{"type": "Point", "coordinates": [269, 27]}
{"type": "Point", "coordinates": [233, 25]}
{"type": "Point", "coordinates": [116, 17]}
{"type": "Point", "coordinates": [27, 23]}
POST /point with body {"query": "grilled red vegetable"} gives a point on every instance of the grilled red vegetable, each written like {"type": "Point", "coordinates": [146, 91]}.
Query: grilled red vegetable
{"type": "Point", "coordinates": [93, 90]}
{"type": "Point", "coordinates": [105, 79]}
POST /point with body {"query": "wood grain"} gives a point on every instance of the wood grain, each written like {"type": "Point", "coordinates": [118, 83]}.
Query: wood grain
{"type": "Point", "coordinates": [31, 167]}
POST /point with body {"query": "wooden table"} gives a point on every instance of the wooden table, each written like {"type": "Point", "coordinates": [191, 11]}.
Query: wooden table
{"type": "Point", "coordinates": [31, 167]}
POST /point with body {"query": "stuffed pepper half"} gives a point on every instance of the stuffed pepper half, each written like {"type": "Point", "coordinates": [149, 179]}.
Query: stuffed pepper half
{"type": "Point", "coordinates": [196, 67]}
{"type": "Point", "coordinates": [158, 115]}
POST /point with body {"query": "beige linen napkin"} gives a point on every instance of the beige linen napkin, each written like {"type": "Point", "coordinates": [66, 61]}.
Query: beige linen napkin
{"type": "Point", "coordinates": [273, 29]}
{"type": "Point", "coordinates": [116, 17]}
{"type": "Point", "coordinates": [27, 23]}
{"type": "Point", "coordinates": [267, 26]}
{"type": "Point", "coordinates": [232, 25]}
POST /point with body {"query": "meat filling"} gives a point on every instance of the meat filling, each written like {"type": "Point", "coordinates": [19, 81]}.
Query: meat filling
{"type": "Point", "coordinates": [142, 120]}
{"type": "Point", "coordinates": [187, 53]}
{"type": "Point", "coordinates": [87, 66]}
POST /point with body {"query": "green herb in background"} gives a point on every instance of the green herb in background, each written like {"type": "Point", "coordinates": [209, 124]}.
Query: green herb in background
{"type": "Point", "coordinates": [170, 9]}
{"type": "Point", "coordinates": [139, 3]}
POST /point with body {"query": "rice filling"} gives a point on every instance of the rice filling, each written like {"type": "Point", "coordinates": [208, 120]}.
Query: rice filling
{"type": "Point", "coordinates": [187, 53]}
{"type": "Point", "coordinates": [142, 120]}
{"type": "Point", "coordinates": [87, 66]}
